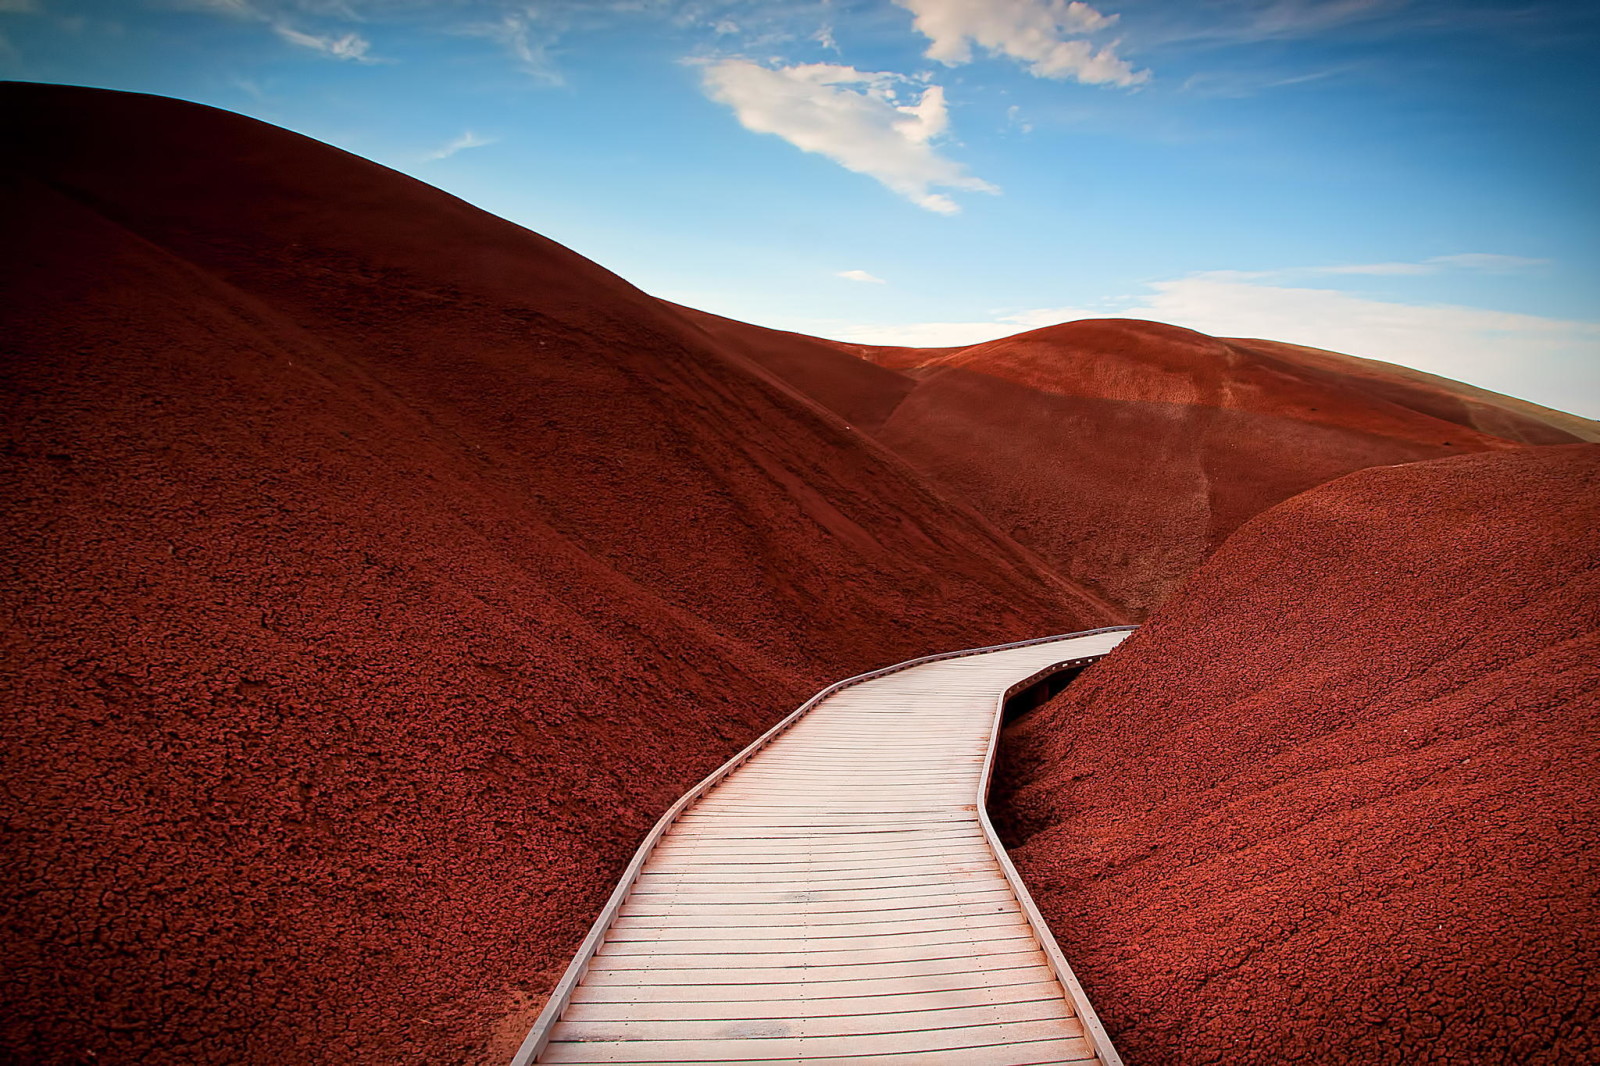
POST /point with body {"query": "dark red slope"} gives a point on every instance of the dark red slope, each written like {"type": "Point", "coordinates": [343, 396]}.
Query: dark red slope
{"type": "Point", "coordinates": [841, 377]}
{"type": "Point", "coordinates": [1124, 452]}
{"type": "Point", "coordinates": [1451, 401]}
{"type": "Point", "coordinates": [1337, 802]}
{"type": "Point", "coordinates": [376, 572]}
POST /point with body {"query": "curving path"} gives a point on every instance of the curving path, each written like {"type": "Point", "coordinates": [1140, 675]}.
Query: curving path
{"type": "Point", "coordinates": [836, 894]}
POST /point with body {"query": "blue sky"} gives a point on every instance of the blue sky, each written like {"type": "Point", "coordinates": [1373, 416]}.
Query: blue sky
{"type": "Point", "coordinates": [1410, 180]}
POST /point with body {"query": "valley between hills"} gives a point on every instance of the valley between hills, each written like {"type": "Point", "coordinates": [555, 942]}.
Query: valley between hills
{"type": "Point", "coordinates": [377, 572]}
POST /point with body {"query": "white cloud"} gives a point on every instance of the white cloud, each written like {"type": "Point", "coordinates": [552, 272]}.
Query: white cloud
{"type": "Point", "coordinates": [1551, 361]}
{"type": "Point", "coordinates": [1047, 35]}
{"type": "Point", "coordinates": [860, 275]}
{"type": "Point", "coordinates": [1488, 261]}
{"type": "Point", "coordinates": [862, 121]}
{"type": "Point", "coordinates": [235, 8]}
{"type": "Point", "coordinates": [1376, 269]}
{"type": "Point", "coordinates": [1464, 261]}
{"type": "Point", "coordinates": [527, 42]}
{"type": "Point", "coordinates": [1484, 261]}
{"type": "Point", "coordinates": [350, 46]}
{"type": "Point", "coordinates": [460, 144]}
{"type": "Point", "coordinates": [1298, 18]}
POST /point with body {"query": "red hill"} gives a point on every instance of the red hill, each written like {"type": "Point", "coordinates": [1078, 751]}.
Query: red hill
{"type": "Point", "coordinates": [1337, 802]}
{"type": "Point", "coordinates": [1124, 452]}
{"type": "Point", "coordinates": [377, 572]}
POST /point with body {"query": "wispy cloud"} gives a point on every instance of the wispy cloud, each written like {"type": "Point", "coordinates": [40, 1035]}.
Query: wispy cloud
{"type": "Point", "coordinates": [1484, 262]}
{"type": "Point", "coordinates": [351, 46]}
{"type": "Point", "coordinates": [1299, 18]}
{"type": "Point", "coordinates": [19, 7]}
{"type": "Point", "coordinates": [860, 275]}
{"type": "Point", "coordinates": [1497, 264]}
{"type": "Point", "coordinates": [1374, 269]}
{"type": "Point", "coordinates": [877, 124]}
{"type": "Point", "coordinates": [528, 41]}
{"type": "Point", "coordinates": [1048, 36]}
{"type": "Point", "coordinates": [235, 8]}
{"type": "Point", "coordinates": [460, 144]}
{"type": "Point", "coordinates": [347, 46]}
{"type": "Point", "coordinates": [1228, 22]}
{"type": "Point", "coordinates": [1237, 84]}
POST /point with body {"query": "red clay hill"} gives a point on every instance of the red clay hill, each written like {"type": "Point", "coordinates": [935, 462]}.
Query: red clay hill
{"type": "Point", "coordinates": [377, 570]}
{"type": "Point", "coordinates": [1124, 452]}
{"type": "Point", "coordinates": [1337, 803]}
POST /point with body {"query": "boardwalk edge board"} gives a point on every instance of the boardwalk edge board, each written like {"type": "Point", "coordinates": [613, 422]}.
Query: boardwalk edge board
{"type": "Point", "coordinates": [1094, 1031]}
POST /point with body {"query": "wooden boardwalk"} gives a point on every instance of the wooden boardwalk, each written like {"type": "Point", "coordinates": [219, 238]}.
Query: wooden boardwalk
{"type": "Point", "coordinates": [836, 894]}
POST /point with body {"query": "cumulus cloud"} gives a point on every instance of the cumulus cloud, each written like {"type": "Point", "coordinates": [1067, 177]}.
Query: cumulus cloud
{"type": "Point", "coordinates": [460, 144]}
{"type": "Point", "coordinates": [1046, 35]}
{"type": "Point", "coordinates": [860, 275]}
{"type": "Point", "coordinates": [1551, 361]}
{"type": "Point", "coordinates": [351, 46]}
{"type": "Point", "coordinates": [876, 124]}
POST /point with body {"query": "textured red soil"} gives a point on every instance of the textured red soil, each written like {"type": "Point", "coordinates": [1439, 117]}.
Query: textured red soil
{"type": "Point", "coordinates": [375, 572]}
{"type": "Point", "coordinates": [1337, 803]}
{"type": "Point", "coordinates": [1124, 452]}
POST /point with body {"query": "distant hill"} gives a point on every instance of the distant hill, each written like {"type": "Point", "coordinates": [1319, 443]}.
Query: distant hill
{"type": "Point", "coordinates": [1125, 452]}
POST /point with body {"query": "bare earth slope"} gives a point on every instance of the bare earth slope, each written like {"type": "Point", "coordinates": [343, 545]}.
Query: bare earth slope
{"type": "Point", "coordinates": [1337, 803]}
{"type": "Point", "coordinates": [375, 571]}
{"type": "Point", "coordinates": [1124, 452]}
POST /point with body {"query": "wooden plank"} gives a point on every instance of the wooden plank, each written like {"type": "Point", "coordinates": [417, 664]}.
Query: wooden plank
{"type": "Point", "coordinates": [799, 893]}
{"type": "Point", "coordinates": [779, 862]}
{"type": "Point", "coordinates": [813, 786]}
{"type": "Point", "coordinates": [856, 821]}
{"type": "Point", "coordinates": [819, 912]}
{"type": "Point", "coordinates": [757, 852]}
{"type": "Point", "coordinates": [617, 958]}
{"type": "Point", "coordinates": [884, 1005]}
{"type": "Point", "coordinates": [879, 807]}
{"type": "Point", "coordinates": [948, 836]}
{"type": "Point", "coordinates": [867, 831]}
{"type": "Point", "coordinates": [816, 991]}
{"type": "Point", "coordinates": [772, 944]}
{"type": "Point", "coordinates": [822, 935]}
{"type": "Point", "coordinates": [765, 1023]}
{"type": "Point", "coordinates": [812, 872]}
{"type": "Point", "coordinates": [757, 1048]}
{"type": "Point", "coordinates": [671, 884]}
{"type": "Point", "coordinates": [1028, 1053]}
{"type": "Point", "coordinates": [634, 976]}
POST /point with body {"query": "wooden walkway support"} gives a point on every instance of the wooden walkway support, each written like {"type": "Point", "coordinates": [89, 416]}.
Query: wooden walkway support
{"type": "Point", "coordinates": [836, 894]}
